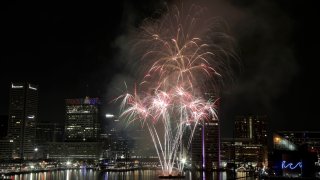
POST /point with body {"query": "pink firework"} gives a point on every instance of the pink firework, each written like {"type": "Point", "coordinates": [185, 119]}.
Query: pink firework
{"type": "Point", "coordinates": [180, 64]}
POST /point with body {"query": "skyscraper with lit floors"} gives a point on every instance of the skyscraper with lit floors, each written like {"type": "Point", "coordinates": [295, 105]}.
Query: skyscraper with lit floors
{"type": "Point", "coordinates": [23, 115]}
{"type": "Point", "coordinates": [82, 122]}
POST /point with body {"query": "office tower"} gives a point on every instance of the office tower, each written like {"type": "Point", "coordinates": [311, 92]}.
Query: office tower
{"type": "Point", "coordinates": [116, 144]}
{"type": "Point", "coordinates": [23, 115]}
{"type": "Point", "coordinates": [205, 146]}
{"type": "Point", "coordinates": [252, 127]}
{"type": "Point", "coordinates": [251, 139]}
{"type": "Point", "coordinates": [82, 132]}
{"type": "Point", "coordinates": [82, 122]}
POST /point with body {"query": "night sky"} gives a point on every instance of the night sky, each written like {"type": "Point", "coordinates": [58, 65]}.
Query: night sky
{"type": "Point", "coordinates": [77, 49]}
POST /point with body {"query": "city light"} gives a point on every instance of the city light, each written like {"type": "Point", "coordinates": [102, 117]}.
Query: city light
{"type": "Point", "coordinates": [183, 160]}
{"type": "Point", "coordinates": [31, 117]}
{"type": "Point", "coordinates": [290, 165]}
{"type": "Point", "coordinates": [33, 88]}
{"type": "Point", "coordinates": [109, 115]}
{"type": "Point", "coordinates": [16, 87]}
{"type": "Point", "coordinates": [187, 90]}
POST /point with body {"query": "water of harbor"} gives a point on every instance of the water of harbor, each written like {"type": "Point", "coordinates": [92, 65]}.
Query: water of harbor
{"type": "Point", "coordinates": [83, 174]}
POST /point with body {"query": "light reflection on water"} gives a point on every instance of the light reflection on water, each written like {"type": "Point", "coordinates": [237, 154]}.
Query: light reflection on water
{"type": "Point", "coordinates": [83, 174]}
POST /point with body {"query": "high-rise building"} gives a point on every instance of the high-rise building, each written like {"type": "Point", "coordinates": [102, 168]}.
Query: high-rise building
{"type": "Point", "coordinates": [205, 146]}
{"type": "Point", "coordinates": [116, 144]}
{"type": "Point", "coordinates": [23, 115]}
{"type": "Point", "coordinates": [124, 142]}
{"type": "Point", "coordinates": [82, 122]}
{"type": "Point", "coordinates": [251, 137]}
{"type": "Point", "coordinates": [82, 132]}
{"type": "Point", "coordinates": [252, 127]}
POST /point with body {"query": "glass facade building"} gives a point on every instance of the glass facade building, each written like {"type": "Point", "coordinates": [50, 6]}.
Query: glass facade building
{"type": "Point", "coordinates": [205, 146]}
{"type": "Point", "coordinates": [23, 115]}
{"type": "Point", "coordinates": [252, 127]}
{"type": "Point", "coordinates": [82, 122]}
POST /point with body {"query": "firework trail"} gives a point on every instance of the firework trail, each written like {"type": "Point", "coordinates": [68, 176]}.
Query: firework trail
{"type": "Point", "coordinates": [181, 63]}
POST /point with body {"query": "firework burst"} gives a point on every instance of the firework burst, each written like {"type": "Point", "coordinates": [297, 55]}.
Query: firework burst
{"type": "Point", "coordinates": [179, 64]}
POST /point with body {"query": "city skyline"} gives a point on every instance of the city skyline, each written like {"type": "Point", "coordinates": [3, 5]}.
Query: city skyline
{"type": "Point", "coordinates": [188, 89]}
{"type": "Point", "coordinates": [78, 50]}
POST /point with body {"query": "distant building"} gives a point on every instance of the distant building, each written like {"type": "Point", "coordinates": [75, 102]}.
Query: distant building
{"type": "Point", "coordinates": [294, 140]}
{"type": "Point", "coordinates": [23, 115]}
{"type": "Point", "coordinates": [116, 140]}
{"type": "Point", "coordinates": [241, 152]}
{"type": "Point", "coordinates": [118, 147]}
{"type": "Point", "coordinates": [205, 146]}
{"type": "Point", "coordinates": [251, 133]}
{"type": "Point", "coordinates": [227, 151]}
{"type": "Point", "coordinates": [296, 153]}
{"type": "Point", "coordinates": [136, 143]}
{"type": "Point", "coordinates": [81, 132]}
{"type": "Point", "coordinates": [64, 151]}
{"type": "Point", "coordinates": [46, 133]}
{"type": "Point", "coordinates": [252, 127]}
{"type": "Point", "coordinates": [82, 122]}
{"type": "Point", "coordinates": [128, 143]}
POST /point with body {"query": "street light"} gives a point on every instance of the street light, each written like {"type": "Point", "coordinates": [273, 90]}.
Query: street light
{"type": "Point", "coordinates": [35, 149]}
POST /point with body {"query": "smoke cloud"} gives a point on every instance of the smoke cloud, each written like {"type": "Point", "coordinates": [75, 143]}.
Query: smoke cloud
{"type": "Point", "coordinates": [265, 67]}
